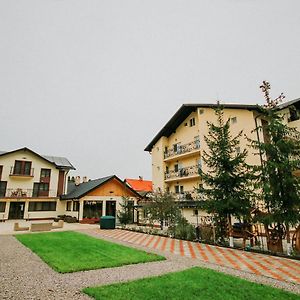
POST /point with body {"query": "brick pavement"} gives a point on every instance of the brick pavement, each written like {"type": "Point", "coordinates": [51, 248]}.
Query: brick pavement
{"type": "Point", "coordinates": [265, 265]}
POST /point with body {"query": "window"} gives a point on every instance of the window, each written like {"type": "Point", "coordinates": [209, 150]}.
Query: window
{"type": "Point", "coordinates": [293, 114]}
{"type": "Point", "coordinates": [179, 189]}
{"type": "Point", "coordinates": [22, 168]}
{"type": "Point", "coordinates": [233, 120]}
{"type": "Point", "coordinates": [195, 212]}
{"type": "Point", "coordinates": [176, 168]}
{"type": "Point", "coordinates": [199, 163]}
{"type": "Point", "coordinates": [40, 189]}
{"type": "Point", "coordinates": [76, 206]}
{"type": "Point", "coordinates": [45, 172]}
{"type": "Point", "coordinates": [2, 206]}
{"type": "Point", "coordinates": [176, 148]}
{"type": "Point", "coordinates": [45, 175]}
{"type": "Point", "coordinates": [42, 206]}
{"type": "Point", "coordinates": [69, 206]}
{"type": "Point", "coordinates": [3, 188]}
{"type": "Point", "coordinates": [192, 122]}
{"type": "Point", "coordinates": [1, 168]}
{"type": "Point", "coordinates": [201, 111]}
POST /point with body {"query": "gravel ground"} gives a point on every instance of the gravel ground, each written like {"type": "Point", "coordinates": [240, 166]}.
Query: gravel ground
{"type": "Point", "coordinates": [25, 276]}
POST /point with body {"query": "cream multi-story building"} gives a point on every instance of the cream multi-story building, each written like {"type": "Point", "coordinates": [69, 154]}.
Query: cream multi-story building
{"type": "Point", "coordinates": [177, 149]}
{"type": "Point", "coordinates": [31, 184]}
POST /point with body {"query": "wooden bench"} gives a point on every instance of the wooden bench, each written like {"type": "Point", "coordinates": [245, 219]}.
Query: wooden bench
{"type": "Point", "coordinates": [40, 227]}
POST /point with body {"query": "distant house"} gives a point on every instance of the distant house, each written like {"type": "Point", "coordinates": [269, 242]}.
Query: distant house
{"type": "Point", "coordinates": [140, 185]}
{"type": "Point", "coordinates": [91, 199]}
{"type": "Point", "coordinates": [31, 184]}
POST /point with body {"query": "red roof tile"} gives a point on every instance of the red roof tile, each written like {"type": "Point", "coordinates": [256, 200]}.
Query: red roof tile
{"type": "Point", "coordinates": [140, 185]}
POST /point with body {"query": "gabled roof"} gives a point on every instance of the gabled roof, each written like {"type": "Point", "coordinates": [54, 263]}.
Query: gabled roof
{"type": "Point", "coordinates": [184, 111]}
{"type": "Point", "coordinates": [140, 185]}
{"type": "Point", "coordinates": [59, 162]}
{"type": "Point", "coordinates": [79, 191]}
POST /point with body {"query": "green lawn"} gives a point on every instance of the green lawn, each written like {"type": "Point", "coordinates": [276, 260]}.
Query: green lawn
{"type": "Point", "coordinates": [195, 283]}
{"type": "Point", "coordinates": [72, 251]}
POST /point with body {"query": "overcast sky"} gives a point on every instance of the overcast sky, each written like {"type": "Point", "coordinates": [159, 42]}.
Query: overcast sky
{"type": "Point", "coordinates": [94, 81]}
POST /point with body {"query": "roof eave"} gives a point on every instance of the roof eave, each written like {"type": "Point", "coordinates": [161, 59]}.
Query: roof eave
{"type": "Point", "coordinates": [183, 112]}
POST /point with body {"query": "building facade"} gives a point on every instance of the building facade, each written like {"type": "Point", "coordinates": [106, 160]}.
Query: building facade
{"type": "Point", "coordinates": [177, 149]}
{"type": "Point", "coordinates": [31, 184]}
{"type": "Point", "coordinates": [91, 199]}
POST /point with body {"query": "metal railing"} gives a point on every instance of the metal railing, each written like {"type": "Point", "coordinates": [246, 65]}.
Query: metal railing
{"type": "Point", "coordinates": [181, 149]}
{"type": "Point", "coordinates": [14, 172]}
{"type": "Point", "coordinates": [183, 172]}
{"type": "Point", "coordinates": [24, 193]}
{"type": "Point", "coordinates": [186, 195]}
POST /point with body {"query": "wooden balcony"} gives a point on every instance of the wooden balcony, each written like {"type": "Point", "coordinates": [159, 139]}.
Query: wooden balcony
{"type": "Point", "coordinates": [182, 151]}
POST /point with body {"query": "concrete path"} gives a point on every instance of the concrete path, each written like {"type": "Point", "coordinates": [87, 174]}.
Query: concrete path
{"type": "Point", "coordinates": [281, 269]}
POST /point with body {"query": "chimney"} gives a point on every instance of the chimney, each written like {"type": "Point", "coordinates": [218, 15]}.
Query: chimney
{"type": "Point", "coordinates": [140, 177]}
{"type": "Point", "coordinates": [84, 179]}
{"type": "Point", "coordinates": [77, 180]}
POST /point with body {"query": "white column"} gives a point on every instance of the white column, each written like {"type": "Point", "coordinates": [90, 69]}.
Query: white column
{"type": "Point", "coordinates": [26, 213]}
{"type": "Point", "coordinates": [103, 207]}
{"type": "Point", "coordinates": [81, 203]}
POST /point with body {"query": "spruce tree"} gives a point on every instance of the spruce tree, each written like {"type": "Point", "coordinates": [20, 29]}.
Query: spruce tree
{"type": "Point", "coordinates": [280, 152]}
{"type": "Point", "coordinates": [227, 189]}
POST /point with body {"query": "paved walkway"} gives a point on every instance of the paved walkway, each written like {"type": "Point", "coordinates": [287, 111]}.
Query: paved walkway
{"type": "Point", "coordinates": [281, 269]}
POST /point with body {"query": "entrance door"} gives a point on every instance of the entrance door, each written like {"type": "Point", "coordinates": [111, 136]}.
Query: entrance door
{"type": "Point", "coordinates": [16, 210]}
{"type": "Point", "coordinates": [111, 208]}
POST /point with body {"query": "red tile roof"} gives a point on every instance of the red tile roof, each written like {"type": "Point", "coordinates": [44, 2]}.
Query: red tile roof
{"type": "Point", "coordinates": [140, 185]}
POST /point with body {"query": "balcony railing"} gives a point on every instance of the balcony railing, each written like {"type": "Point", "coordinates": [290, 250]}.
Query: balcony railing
{"type": "Point", "coordinates": [186, 195]}
{"type": "Point", "coordinates": [183, 172]}
{"type": "Point", "coordinates": [23, 193]}
{"type": "Point", "coordinates": [181, 149]}
{"type": "Point", "coordinates": [24, 172]}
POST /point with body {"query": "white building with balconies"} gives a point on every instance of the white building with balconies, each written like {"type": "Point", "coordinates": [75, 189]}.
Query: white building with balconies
{"type": "Point", "coordinates": [31, 184]}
